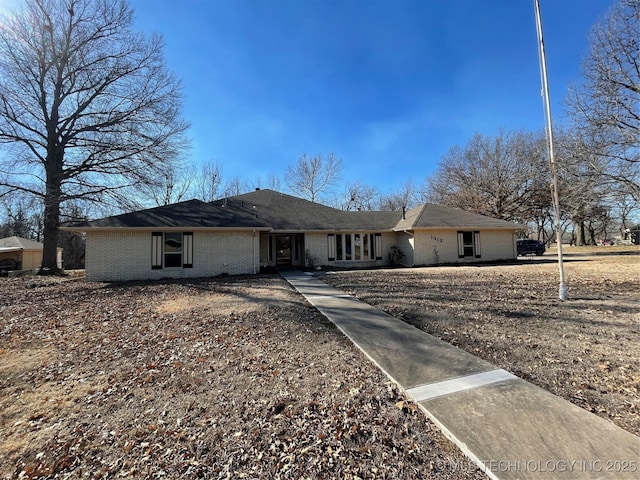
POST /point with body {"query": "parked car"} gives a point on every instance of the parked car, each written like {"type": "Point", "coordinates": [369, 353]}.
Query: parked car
{"type": "Point", "coordinates": [528, 247]}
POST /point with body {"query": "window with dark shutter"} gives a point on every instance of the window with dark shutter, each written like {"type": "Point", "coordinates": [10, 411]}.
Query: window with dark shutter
{"type": "Point", "coordinates": [156, 250]}
{"type": "Point", "coordinates": [468, 244]}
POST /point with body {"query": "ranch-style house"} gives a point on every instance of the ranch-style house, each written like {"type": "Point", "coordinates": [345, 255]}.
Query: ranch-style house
{"type": "Point", "coordinates": [266, 229]}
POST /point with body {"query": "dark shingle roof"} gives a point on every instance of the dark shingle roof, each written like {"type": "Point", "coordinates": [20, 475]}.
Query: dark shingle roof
{"type": "Point", "coordinates": [268, 209]}
{"type": "Point", "coordinates": [286, 212]}
{"type": "Point", "coordinates": [438, 216]}
{"type": "Point", "coordinates": [189, 214]}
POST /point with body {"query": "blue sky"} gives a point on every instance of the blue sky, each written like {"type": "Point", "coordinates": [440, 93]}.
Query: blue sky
{"type": "Point", "coordinates": [387, 85]}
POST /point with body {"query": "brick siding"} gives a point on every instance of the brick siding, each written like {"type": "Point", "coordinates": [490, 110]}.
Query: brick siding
{"type": "Point", "coordinates": [113, 256]}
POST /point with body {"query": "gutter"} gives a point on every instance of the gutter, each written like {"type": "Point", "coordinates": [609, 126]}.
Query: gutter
{"type": "Point", "coordinates": [165, 229]}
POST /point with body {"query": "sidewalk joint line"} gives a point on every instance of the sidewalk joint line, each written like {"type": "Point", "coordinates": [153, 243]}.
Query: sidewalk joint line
{"type": "Point", "coordinates": [317, 295]}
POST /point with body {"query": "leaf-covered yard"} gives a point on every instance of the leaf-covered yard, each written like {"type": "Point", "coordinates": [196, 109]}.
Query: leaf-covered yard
{"type": "Point", "coordinates": [239, 377]}
{"type": "Point", "coordinates": [584, 350]}
{"type": "Point", "coordinates": [215, 378]}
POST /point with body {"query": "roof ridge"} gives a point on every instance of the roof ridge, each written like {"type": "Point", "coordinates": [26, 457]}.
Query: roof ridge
{"type": "Point", "coordinates": [276, 194]}
{"type": "Point", "coordinates": [409, 215]}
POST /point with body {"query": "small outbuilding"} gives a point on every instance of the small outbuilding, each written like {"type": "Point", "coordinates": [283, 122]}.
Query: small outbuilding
{"type": "Point", "coordinates": [22, 254]}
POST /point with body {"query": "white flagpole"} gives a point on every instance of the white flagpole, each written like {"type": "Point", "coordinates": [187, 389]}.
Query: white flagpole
{"type": "Point", "coordinates": [562, 291]}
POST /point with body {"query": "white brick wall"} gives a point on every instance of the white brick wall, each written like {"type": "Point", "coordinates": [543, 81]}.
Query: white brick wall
{"type": "Point", "coordinates": [112, 256]}
{"type": "Point", "coordinates": [405, 242]}
{"type": "Point", "coordinates": [441, 246]}
{"type": "Point", "coordinates": [315, 245]}
{"type": "Point", "coordinates": [498, 245]}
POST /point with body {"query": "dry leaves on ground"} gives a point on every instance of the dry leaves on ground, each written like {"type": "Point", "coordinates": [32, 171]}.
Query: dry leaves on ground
{"type": "Point", "coordinates": [584, 350]}
{"type": "Point", "coordinates": [218, 378]}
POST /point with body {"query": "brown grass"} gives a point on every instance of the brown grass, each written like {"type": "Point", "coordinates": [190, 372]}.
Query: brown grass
{"type": "Point", "coordinates": [214, 378]}
{"type": "Point", "coordinates": [584, 349]}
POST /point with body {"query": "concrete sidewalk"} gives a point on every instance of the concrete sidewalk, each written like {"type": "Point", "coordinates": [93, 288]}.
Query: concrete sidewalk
{"type": "Point", "coordinates": [509, 427]}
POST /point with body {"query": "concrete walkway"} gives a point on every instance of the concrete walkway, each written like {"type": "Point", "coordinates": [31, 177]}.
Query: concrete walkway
{"type": "Point", "coordinates": [509, 427]}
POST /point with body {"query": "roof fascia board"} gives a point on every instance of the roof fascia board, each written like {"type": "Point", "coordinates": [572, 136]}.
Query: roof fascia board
{"type": "Point", "coordinates": [333, 230]}
{"type": "Point", "coordinates": [515, 228]}
{"type": "Point", "coordinates": [165, 229]}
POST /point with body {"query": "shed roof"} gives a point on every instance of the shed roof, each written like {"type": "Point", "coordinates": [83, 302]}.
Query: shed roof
{"type": "Point", "coordinates": [18, 243]}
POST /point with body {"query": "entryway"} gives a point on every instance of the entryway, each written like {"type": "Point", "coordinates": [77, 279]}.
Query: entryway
{"type": "Point", "coordinates": [282, 250]}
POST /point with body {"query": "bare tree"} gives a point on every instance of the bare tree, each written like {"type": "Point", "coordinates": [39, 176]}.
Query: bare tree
{"type": "Point", "coordinates": [311, 176]}
{"type": "Point", "coordinates": [209, 182]}
{"type": "Point", "coordinates": [358, 196]}
{"type": "Point", "coordinates": [87, 106]}
{"type": "Point", "coordinates": [606, 106]}
{"type": "Point", "coordinates": [170, 186]}
{"type": "Point", "coordinates": [73, 243]}
{"type": "Point", "coordinates": [628, 210]}
{"type": "Point", "coordinates": [404, 198]}
{"type": "Point", "coordinates": [236, 186]}
{"type": "Point", "coordinates": [583, 190]}
{"type": "Point", "coordinates": [20, 218]}
{"type": "Point", "coordinates": [497, 176]}
{"type": "Point", "coordinates": [272, 182]}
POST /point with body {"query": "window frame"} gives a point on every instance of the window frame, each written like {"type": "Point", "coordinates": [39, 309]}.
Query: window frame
{"type": "Point", "coordinates": [469, 244]}
{"type": "Point", "coordinates": [172, 258]}
{"type": "Point", "coordinates": [354, 246]}
{"type": "Point", "coordinates": [159, 250]}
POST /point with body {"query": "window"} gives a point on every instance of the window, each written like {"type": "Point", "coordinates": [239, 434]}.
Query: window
{"type": "Point", "coordinates": [331, 247]}
{"type": "Point", "coordinates": [468, 244]}
{"type": "Point", "coordinates": [354, 246]}
{"type": "Point", "coordinates": [171, 250]}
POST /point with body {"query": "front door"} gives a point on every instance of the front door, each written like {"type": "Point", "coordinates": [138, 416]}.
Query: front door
{"type": "Point", "coordinates": [283, 250]}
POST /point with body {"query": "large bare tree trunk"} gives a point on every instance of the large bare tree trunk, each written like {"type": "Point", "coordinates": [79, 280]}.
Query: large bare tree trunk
{"type": "Point", "coordinates": [582, 238]}
{"type": "Point", "coordinates": [51, 224]}
{"type": "Point", "coordinates": [52, 200]}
